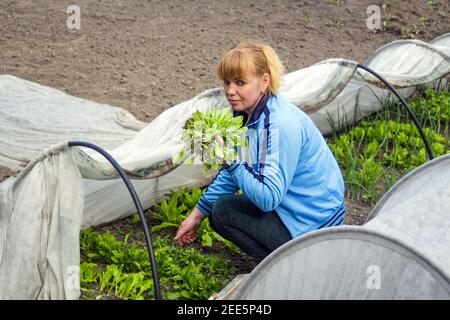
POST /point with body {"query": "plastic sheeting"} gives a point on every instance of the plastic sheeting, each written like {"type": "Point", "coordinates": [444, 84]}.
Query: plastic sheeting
{"type": "Point", "coordinates": [39, 244]}
{"type": "Point", "coordinates": [402, 252]}
{"type": "Point", "coordinates": [33, 118]}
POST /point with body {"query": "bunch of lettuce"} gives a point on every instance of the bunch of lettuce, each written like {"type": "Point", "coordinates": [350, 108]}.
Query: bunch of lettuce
{"type": "Point", "coordinates": [202, 136]}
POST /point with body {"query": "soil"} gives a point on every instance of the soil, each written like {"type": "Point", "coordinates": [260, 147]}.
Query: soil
{"type": "Point", "coordinates": [147, 56]}
{"type": "Point", "coordinates": [4, 173]}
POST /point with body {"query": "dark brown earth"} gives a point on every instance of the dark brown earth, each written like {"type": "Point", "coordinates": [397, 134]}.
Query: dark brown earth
{"type": "Point", "coordinates": [147, 56]}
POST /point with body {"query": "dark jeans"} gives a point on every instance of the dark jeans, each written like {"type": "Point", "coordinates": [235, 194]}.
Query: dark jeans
{"type": "Point", "coordinates": [255, 232]}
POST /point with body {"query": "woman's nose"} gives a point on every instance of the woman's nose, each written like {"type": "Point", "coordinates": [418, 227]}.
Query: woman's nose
{"type": "Point", "coordinates": [230, 89]}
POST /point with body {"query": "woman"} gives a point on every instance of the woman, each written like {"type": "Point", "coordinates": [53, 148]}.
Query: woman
{"type": "Point", "coordinates": [291, 186]}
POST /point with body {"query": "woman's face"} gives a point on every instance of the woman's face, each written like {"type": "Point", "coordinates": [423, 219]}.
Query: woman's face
{"type": "Point", "coordinates": [244, 94]}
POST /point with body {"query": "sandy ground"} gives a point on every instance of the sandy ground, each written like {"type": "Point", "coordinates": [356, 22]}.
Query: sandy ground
{"type": "Point", "coordinates": [147, 56]}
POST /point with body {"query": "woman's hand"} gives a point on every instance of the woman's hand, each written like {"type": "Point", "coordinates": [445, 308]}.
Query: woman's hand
{"type": "Point", "coordinates": [188, 228]}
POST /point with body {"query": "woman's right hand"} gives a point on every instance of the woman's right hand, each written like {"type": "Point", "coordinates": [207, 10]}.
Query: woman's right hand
{"type": "Point", "coordinates": [188, 228]}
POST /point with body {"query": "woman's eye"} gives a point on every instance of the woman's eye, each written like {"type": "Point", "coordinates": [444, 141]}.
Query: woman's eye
{"type": "Point", "coordinates": [226, 82]}
{"type": "Point", "coordinates": [240, 83]}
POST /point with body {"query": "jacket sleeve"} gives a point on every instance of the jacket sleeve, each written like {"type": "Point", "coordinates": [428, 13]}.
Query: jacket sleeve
{"type": "Point", "coordinates": [268, 189]}
{"type": "Point", "coordinates": [223, 184]}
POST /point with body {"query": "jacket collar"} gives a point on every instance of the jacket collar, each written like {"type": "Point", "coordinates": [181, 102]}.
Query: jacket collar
{"type": "Point", "coordinates": [256, 113]}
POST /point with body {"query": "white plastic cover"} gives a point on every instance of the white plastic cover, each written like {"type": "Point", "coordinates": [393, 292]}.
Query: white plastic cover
{"type": "Point", "coordinates": [39, 244]}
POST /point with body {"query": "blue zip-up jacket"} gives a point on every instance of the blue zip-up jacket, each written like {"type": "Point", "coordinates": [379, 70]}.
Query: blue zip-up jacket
{"type": "Point", "coordinates": [291, 169]}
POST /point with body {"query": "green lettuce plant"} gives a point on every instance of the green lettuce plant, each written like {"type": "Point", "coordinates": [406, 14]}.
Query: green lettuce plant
{"type": "Point", "coordinates": [201, 136]}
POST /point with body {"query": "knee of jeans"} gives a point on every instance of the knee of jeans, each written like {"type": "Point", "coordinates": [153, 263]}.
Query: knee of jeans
{"type": "Point", "coordinates": [221, 209]}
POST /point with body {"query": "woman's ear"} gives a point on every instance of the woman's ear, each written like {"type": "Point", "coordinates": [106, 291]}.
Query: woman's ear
{"type": "Point", "coordinates": [265, 81]}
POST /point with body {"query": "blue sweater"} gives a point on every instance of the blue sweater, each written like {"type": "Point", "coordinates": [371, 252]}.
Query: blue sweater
{"type": "Point", "coordinates": [289, 168]}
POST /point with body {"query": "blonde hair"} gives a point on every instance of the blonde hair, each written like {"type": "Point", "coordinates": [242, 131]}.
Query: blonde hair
{"type": "Point", "coordinates": [250, 57]}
